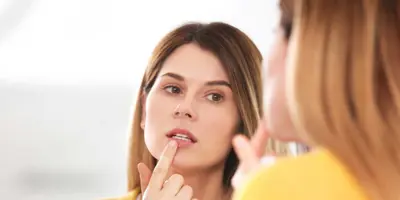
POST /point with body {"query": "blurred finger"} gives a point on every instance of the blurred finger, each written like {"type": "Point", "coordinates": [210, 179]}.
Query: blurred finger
{"type": "Point", "coordinates": [260, 139]}
{"type": "Point", "coordinates": [245, 152]}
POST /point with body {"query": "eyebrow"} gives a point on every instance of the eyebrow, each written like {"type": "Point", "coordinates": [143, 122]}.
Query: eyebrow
{"type": "Point", "coordinates": [175, 76]}
{"type": "Point", "coordinates": [223, 83]}
{"type": "Point", "coordinates": [209, 83]}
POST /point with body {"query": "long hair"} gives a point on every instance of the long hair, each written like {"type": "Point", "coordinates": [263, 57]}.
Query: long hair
{"type": "Point", "coordinates": [344, 86]}
{"type": "Point", "coordinates": [242, 62]}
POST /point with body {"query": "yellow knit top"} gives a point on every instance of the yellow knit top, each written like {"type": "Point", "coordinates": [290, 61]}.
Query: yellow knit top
{"type": "Point", "coordinates": [313, 176]}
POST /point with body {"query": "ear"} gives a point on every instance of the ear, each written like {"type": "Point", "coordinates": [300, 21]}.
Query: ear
{"type": "Point", "coordinates": [143, 111]}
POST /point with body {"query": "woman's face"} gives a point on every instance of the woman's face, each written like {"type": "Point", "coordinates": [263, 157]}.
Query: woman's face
{"type": "Point", "coordinates": [191, 102]}
{"type": "Point", "coordinates": [277, 117]}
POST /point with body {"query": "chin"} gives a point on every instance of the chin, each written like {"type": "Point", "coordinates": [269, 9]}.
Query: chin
{"type": "Point", "coordinates": [186, 164]}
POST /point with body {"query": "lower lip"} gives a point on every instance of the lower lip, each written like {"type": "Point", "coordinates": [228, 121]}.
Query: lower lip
{"type": "Point", "coordinates": [181, 143]}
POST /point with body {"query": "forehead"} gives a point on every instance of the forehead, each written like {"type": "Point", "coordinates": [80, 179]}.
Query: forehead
{"type": "Point", "coordinates": [192, 62]}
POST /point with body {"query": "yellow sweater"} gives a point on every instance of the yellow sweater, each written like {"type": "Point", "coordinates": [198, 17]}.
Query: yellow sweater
{"type": "Point", "coordinates": [314, 176]}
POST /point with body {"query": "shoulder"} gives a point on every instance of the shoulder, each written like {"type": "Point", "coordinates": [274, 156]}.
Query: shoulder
{"type": "Point", "coordinates": [133, 195]}
{"type": "Point", "coordinates": [317, 175]}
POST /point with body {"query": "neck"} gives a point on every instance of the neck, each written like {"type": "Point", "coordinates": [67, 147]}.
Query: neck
{"type": "Point", "coordinates": [206, 184]}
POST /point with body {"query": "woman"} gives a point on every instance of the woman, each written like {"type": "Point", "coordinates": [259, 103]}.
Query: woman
{"type": "Point", "coordinates": [342, 92]}
{"type": "Point", "coordinates": [201, 87]}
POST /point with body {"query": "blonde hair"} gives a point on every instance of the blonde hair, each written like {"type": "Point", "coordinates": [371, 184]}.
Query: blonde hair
{"type": "Point", "coordinates": [344, 86]}
{"type": "Point", "coordinates": [242, 62]}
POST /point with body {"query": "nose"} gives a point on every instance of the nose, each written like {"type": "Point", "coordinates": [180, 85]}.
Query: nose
{"type": "Point", "coordinates": [185, 110]}
{"type": "Point", "coordinates": [178, 114]}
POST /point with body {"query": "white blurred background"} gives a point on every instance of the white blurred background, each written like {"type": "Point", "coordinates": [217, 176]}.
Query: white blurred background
{"type": "Point", "coordinates": [69, 72]}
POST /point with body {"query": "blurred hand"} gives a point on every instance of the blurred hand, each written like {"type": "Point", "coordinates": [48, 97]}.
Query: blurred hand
{"type": "Point", "coordinates": [250, 154]}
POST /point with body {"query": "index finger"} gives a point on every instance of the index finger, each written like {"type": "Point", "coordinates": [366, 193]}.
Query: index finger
{"type": "Point", "coordinates": [260, 139]}
{"type": "Point", "coordinates": [164, 163]}
{"type": "Point", "coordinates": [245, 152]}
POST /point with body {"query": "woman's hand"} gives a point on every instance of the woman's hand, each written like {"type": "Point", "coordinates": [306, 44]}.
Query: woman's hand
{"type": "Point", "coordinates": [249, 154]}
{"type": "Point", "coordinates": [154, 185]}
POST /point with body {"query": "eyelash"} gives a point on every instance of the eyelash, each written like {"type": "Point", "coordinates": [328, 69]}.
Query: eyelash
{"type": "Point", "coordinates": [220, 96]}
{"type": "Point", "coordinates": [172, 87]}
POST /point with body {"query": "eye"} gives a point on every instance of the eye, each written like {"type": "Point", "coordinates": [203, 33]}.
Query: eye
{"type": "Point", "coordinates": [172, 89]}
{"type": "Point", "coordinates": [215, 97]}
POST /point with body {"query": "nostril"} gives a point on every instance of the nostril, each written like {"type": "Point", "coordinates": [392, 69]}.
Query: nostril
{"type": "Point", "coordinates": [188, 115]}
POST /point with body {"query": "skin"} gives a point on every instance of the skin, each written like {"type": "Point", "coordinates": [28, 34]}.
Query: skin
{"type": "Point", "coordinates": [279, 125]}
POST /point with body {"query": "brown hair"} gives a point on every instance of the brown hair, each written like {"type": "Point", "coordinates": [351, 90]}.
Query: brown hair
{"type": "Point", "coordinates": [344, 86]}
{"type": "Point", "coordinates": [242, 62]}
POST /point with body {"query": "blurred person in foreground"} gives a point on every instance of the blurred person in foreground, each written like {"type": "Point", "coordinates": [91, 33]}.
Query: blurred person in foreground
{"type": "Point", "coordinates": [334, 80]}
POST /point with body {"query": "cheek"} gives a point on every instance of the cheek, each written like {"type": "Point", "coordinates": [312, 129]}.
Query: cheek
{"type": "Point", "coordinates": [275, 100]}
{"type": "Point", "coordinates": [157, 122]}
{"type": "Point", "coordinates": [219, 125]}
{"type": "Point", "coordinates": [276, 60]}
{"type": "Point", "coordinates": [275, 94]}
{"type": "Point", "coordinates": [157, 108]}
{"type": "Point", "coordinates": [274, 82]}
